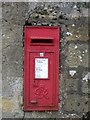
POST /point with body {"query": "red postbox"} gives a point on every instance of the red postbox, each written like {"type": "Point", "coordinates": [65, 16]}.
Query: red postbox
{"type": "Point", "coordinates": [41, 67]}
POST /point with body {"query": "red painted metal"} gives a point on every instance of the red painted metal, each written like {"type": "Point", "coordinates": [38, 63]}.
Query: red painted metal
{"type": "Point", "coordinates": [41, 68]}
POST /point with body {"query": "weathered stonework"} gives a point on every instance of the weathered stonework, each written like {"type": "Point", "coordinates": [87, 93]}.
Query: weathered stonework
{"type": "Point", "coordinates": [77, 54]}
{"type": "Point", "coordinates": [74, 56]}
{"type": "Point", "coordinates": [78, 32]}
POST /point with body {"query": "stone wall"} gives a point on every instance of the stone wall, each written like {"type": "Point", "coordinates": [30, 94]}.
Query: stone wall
{"type": "Point", "coordinates": [74, 56]}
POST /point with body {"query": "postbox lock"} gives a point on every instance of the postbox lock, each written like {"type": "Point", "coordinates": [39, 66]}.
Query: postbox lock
{"type": "Point", "coordinates": [33, 101]}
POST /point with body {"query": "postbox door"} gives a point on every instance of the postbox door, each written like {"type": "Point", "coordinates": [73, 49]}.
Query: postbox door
{"type": "Point", "coordinates": [42, 80]}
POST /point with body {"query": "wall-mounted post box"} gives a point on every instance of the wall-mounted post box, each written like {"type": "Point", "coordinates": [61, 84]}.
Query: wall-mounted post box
{"type": "Point", "coordinates": [41, 67]}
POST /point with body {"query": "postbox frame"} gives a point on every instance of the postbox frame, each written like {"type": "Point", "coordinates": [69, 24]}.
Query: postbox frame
{"type": "Point", "coordinates": [27, 106]}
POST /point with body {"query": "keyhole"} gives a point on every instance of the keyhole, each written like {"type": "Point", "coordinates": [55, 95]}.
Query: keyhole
{"type": "Point", "coordinates": [35, 83]}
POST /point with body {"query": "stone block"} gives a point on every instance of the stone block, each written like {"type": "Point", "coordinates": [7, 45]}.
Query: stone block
{"type": "Point", "coordinates": [85, 82]}
{"type": "Point", "coordinates": [8, 104]}
{"type": "Point", "coordinates": [74, 103]}
{"type": "Point", "coordinates": [0, 102]}
{"type": "Point", "coordinates": [14, 85]}
{"type": "Point", "coordinates": [78, 55]}
{"type": "Point", "coordinates": [11, 107]}
{"type": "Point", "coordinates": [12, 61]}
{"type": "Point", "coordinates": [72, 85]}
{"type": "Point", "coordinates": [77, 32]}
{"type": "Point", "coordinates": [85, 87]}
